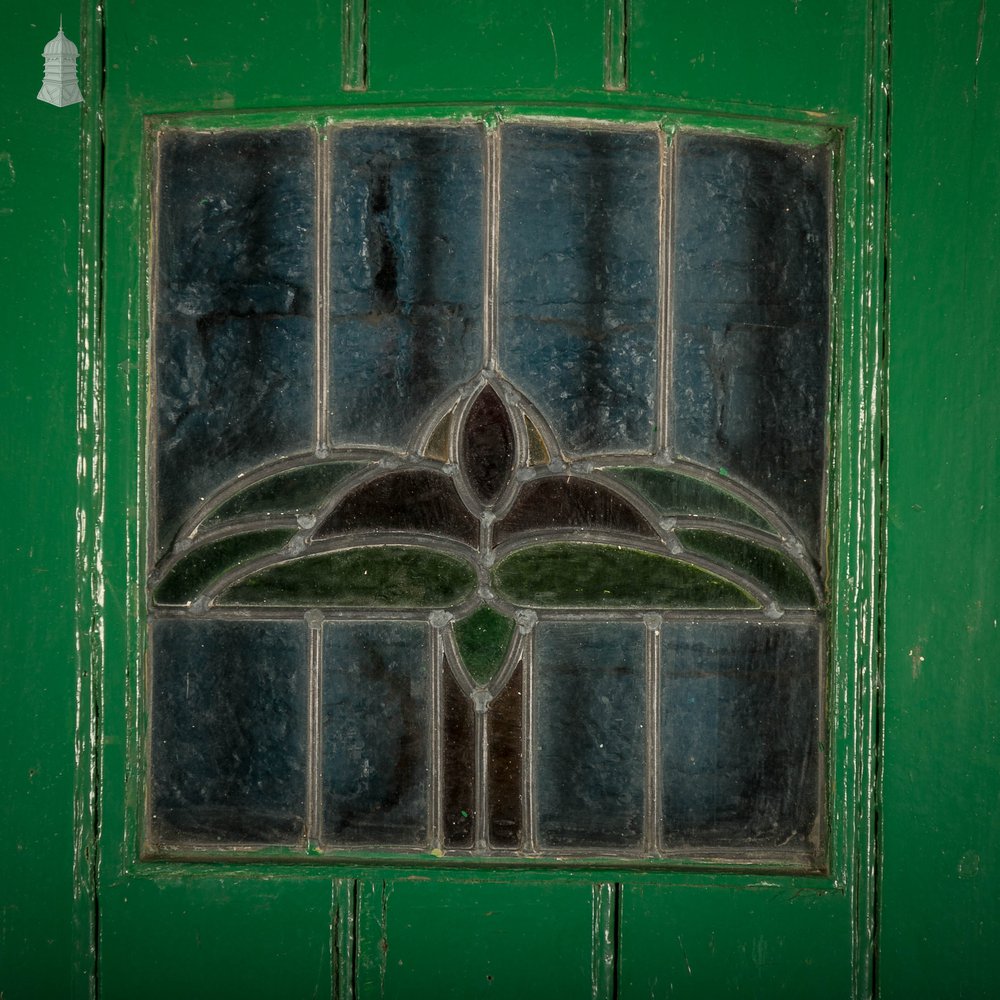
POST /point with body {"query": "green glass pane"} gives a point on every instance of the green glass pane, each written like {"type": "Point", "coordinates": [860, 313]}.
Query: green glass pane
{"type": "Point", "coordinates": [680, 495]}
{"type": "Point", "coordinates": [208, 562]}
{"type": "Point", "coordinates": [482, 640]}
{"type": "Point", "coordinates": [385, 577]}
{"type": "Point", "coordinates": [287, 493]}
{"type": "Point", "coordinates": [775, 570]}
{"type": "Point", "coordinates": [584, 575]}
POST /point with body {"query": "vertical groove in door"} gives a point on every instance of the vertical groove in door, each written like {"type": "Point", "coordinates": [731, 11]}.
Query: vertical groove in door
{"type": "Point", "coordinates": [616, 45]}
{"type": "Point", "coordinates": [354, 46]}
{"type": "Point", "coordinates": [343, 946]}
{"type": "Point", "coordinates": [605, 903]}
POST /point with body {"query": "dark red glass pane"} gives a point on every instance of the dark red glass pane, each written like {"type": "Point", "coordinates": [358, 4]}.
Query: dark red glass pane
{"type": "Point", "coordinates": [571, 503]}
{"type": "Point", "coordinates": [458, 779]}
{"type": "Point", "coordinates": [404, 501]}
{"type": "Point", "coordinates": [504, 729]}
{"type": "Point", "coordinates": [487, 452]}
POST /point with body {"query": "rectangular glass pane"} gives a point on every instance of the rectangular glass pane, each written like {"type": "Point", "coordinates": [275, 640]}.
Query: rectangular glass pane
{"type": "Point", "coordinates": [375, 742]}
{"type": "Point", "coordinates": [458, 765]}
{"type": "Point", "coordinates": [406, 248]}
{"type": "Point", "coordinates": [228, 731]}
{"type": "Point", "coordinates": [739, 734]}
{"type": "Point", "coordinates": [234, 294]}
{"type": "Point", "coordinates": [589, 742]}
{"type": "Point", "coordinates": [577, 293]}
{"type": "Point", "coordinates": [752, 316]}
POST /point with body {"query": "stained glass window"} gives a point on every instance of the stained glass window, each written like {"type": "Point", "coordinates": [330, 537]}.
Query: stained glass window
{"type": "Point", "coordinates": [487, 490]}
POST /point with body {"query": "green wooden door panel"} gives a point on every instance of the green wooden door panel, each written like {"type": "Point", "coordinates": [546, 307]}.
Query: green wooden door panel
{"type": "Point", "coordinates": [769, 53]}
{"type": "Point", "coordinates": [202, 936]}
{"type": "Point", "coordinates": [443, 939]}
{"type": "Point", "coordinates": [438, 48]}
{"type": "Point", "coordinates": [275, 930]}
{"type": "Point", "coordinates": [940, 899]}
{"type": "Point", "coordinates": [722, 941]}
{"type": "Point", "coordinates": [42, 922]}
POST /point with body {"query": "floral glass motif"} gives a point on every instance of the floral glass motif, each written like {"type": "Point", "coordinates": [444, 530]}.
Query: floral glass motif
{"type": "Point", "coordinates": [487, 490]}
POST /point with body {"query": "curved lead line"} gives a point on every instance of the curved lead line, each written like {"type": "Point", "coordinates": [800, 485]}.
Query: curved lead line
{"type": "Point", "coordinates": [227, 530]}
{"type": "Point", "coordinates": [410, 540]}
{"type": "Point", "coordinates": [755, 501]}
{"type": "Point", "coordinates": [258, 474]}
{"type": "Point", "coordinates": [524, 541]}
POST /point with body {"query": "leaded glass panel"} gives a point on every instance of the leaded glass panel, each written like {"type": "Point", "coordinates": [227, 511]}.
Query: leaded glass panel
{"type": "Point", "coordinates": [487, 507]}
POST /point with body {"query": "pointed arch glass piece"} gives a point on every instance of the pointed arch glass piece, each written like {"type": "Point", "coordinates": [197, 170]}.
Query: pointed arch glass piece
{"type": "Point", "coordinates": [483, 640]}
{"type": "Point", "coordinates": [505, 766]}
{"type": "Point", "coordinates": [487, 447]}
{"type": "Point", "coordinates": [582, 575]}
{"type": "Point", "coordinates": [414, 500]}
{"type": "Point", "coordinates": [569, 502]}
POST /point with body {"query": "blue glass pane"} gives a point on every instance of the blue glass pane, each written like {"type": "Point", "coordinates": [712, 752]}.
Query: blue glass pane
{"type": "Point", "coordinates": [740, 731]}
{"type": "Point", "coordinates": [751, 316]}
{"type": "Point", "coordinates": [589, 742]}
{"type": "Point", "coordinates": [407, 274]}
{"type": "Point", "coordinates": [578, 280]}
{"type": "Point", "coordinates": [375, 738]}
{"type": "Point", "coordinates": [234, 378]}
{"type": "Point", "coordinates": [228, 731]}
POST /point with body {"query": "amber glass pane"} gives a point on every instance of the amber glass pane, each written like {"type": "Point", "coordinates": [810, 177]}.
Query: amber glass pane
{"type": "Point", "coordinates": [458, 778]}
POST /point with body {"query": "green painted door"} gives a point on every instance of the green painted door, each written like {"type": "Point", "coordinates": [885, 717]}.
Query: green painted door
{"type": "Point", "coordinates": [543, 927]}
{"type": "Point", "coordinates": [82, 912]}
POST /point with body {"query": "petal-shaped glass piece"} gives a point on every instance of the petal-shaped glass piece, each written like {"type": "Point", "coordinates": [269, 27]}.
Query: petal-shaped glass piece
{"type": "Point", "coordinates": [199, 567]}
{"type": "Point", "coordinates": [567, 502]}
{"type": "Point", "coordinates": [482, 640]}
{"type": "Point", "coordinates": [391, 576]}
{"type": "Point", "coordinates": [487, 447]}
{"type": "Point", "coordinates": [404, 501]}
{"type": "Point", "coordinates": [290, 492]}
{"type": "Point", "coordinates": [677, 494]}
{"type": "Point", "coordinates": [776, 571]}
{"type": "Point", "coordinates": [581, 575]}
